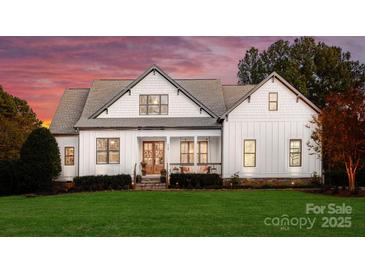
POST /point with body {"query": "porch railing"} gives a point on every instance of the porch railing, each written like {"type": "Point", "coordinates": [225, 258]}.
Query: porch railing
{"type": "Point", "coordinates": [199, 168]}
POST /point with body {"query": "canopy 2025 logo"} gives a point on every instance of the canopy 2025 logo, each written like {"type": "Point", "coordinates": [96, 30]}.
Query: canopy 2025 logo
{"type": "Point", "coordinates": [327, 216]}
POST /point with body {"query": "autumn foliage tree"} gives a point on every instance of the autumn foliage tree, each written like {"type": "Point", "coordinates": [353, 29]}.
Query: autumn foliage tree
{"type": "Point", "coordinates": [17, 120]}
{"type": "Point", "coordinates": [339, 133]}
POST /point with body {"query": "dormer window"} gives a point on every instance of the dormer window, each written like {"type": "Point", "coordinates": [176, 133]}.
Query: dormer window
{"type": "Point", "coordinates": [156, 104]}
{"type": "Point", "coordinates": [273, 101]}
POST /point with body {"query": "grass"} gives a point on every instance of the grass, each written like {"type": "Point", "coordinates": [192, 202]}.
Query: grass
{"type": "Point", "coordinates": [175, 213]}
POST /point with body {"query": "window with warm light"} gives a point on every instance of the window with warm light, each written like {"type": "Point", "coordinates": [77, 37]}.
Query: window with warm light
{"type": "Point", "coordinates": [153, 104]}
{"type": "Point", "coordinates": [273, 101]}
{"type": "Point", "coordinates": [249, 152]}
{"type": "Point", "coordinates": [187, 152]}
{"type": "Point", "coordinates": [295, 152]}
{"type": "Point", "coordinates": [69, 156]}
{"type": "Point", "coordinates": [107, 151]}
{"type": "Point", "coordinates": [203, 152]}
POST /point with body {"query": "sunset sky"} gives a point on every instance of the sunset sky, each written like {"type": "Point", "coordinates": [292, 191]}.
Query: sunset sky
{"type": "Point", "coordinates": [38, 69]}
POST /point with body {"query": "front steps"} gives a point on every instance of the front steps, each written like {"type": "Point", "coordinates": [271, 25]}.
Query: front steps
{"type": "Point", "coordinates": [150, 183]}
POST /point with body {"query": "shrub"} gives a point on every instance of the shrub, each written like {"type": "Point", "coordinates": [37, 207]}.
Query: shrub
{"type": "Point", "coordinates": [40, 160]}
{"type": "Point", "coordinates": [103, 182]}
{"type": "Point", "coordinates": [163, 177]}
{"type": "Point", "coordinates": [15, 178]}
{"type": "Point", "coordinates": [195, 180]}
{"type": "Point", "coordinates": [8, 180]}
{"type": "Point", "coordinates": [235, 180]}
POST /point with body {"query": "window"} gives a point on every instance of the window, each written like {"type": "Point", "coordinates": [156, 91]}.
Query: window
{"type": "Point", "coordinates": [273, 101]}
{"type": "Point", "coordinates": [153, 104]}
{"type": "Point", "coordinates": [187, 152]}
{"type": "Point", "coordinates": [295, 152]}
{"type": "Point", "coordinates": [203, 152]}
{"type": "Point", "coordinates": [69, 156]}
{"type": "Point", "coordinates": [249, 152]}
{"type": "Point", "coordinates": [107, 151]}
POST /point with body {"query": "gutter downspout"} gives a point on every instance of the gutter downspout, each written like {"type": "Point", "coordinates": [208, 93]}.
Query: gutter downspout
{"type": "Point", "coordinates": [78, 151]}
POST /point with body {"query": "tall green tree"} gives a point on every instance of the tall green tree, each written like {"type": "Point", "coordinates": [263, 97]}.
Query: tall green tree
{"type": "Point", "coordinates": [315, 69]}
{"type": "Point", "coordinates": [17, 120]}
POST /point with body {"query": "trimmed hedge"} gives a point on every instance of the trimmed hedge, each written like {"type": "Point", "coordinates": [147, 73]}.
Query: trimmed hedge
{"type": "Point", "coordinates": [8, 180]}
{"type": "Point", "coordinates": [15, 178]}
{"type": "Point", "coordinates": [195, 181]}
{"type": "Point", "coordinates": [103, 182]}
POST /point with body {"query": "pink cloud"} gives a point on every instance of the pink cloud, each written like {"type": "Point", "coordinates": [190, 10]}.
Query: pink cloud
{"type": "Point", "coordinates": [38, 69]}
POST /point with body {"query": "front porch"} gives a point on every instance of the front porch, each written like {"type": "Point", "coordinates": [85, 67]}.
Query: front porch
{"type": "Point", "coordinates": [186, 153]}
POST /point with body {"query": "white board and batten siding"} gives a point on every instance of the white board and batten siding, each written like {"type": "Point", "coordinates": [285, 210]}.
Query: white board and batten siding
{"type": "Point", "coordinates": [179, 104]}
{"type": "Point", "coordinates": [272, 131]}
{"type": "Point", "coordinates": [68, 172]}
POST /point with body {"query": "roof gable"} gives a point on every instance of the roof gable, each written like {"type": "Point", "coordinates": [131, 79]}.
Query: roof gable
{"type": "Point", "coordinates": [152, 69]}
{"type": "Point", "coordinates": [273, 75]}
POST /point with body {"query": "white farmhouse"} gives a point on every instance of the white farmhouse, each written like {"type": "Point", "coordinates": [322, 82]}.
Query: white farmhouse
{"type": "Point", "coordinates": [185, 125]}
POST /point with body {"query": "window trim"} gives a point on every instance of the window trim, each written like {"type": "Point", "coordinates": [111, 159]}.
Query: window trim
{"type": "Point", "coordinates": [300, 152]}
{"type": "Point", "coordinates": [206, 153]}
{"type": "Point", "coordinates": [73, 156]}
{"type": "Point", "coordinates": [187, 153]}
{"type": "Point", "coordinates": [147, 104]}
{"type": "Point", "coordinates": [107, 151]}
{"type": "Point", "coordinates": [276, 102]}
{"type": "Point", "coordinates": [244, 152]}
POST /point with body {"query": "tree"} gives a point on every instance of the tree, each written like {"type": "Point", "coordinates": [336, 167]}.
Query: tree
{"type": "Point", "coordinates": [17, 120]}
{"type": "Point", "coordinates": [40, 157]}
{"type": "Point", "coordinates": [339, 133]}
{"type": "Point", "coordinates": [315, 69]}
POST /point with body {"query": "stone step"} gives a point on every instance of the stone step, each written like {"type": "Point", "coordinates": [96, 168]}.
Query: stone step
{"type": "Point", "coordinates": [150, 186]}
{"type": "Point", "coordinates": [151, 180]}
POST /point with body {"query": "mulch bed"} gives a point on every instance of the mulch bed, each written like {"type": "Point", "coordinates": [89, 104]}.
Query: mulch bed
{"type": "Point", "coordinates": [337, 192]}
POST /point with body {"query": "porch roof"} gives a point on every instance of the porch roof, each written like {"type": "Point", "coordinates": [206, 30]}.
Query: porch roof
{"type": "Point", "coordinates": [150, 123]}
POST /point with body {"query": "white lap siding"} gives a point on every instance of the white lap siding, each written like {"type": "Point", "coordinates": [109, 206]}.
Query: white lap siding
{"type": "Point", "coordinates": [272, 131]}
{"type": "Point", "coordinates": [68, 172]}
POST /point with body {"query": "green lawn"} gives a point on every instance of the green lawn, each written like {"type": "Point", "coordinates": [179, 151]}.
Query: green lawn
{"type": "Point", "coordinates": [177, 213]}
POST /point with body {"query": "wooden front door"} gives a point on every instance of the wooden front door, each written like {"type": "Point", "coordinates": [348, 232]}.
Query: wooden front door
{"type": "Point", "coordinates": [154, 156]}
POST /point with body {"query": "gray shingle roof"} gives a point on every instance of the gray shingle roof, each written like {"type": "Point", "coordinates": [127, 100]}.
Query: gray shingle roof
{"type": "Point", "coordinates": [69, 111]}
{"type": "Point", "coordinates": [101, 92]}
{"type": "Point", "coordinates": [232, 94]}
{"type": "Point", "coordinates": [77, 105]}
{"type": "Point", "coordinates": [208, 91]}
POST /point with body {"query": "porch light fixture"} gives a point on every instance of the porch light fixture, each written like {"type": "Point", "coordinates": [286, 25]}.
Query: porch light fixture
{"type": "Point", "coordinates": [178, 91]}
{"type": "Point", "coordinates": [129, 92]}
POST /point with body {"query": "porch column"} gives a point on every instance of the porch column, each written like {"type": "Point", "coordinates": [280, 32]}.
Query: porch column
{"type": "Point", "coordinates": [168, 154]}
{"type": "Point", "coordinates": [195, 153]}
